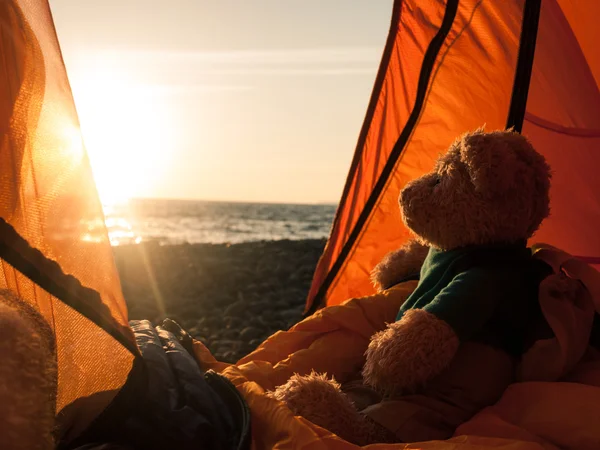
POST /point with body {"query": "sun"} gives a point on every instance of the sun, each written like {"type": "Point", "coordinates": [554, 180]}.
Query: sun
{"type": "Point", "coordinates": [126, 131]}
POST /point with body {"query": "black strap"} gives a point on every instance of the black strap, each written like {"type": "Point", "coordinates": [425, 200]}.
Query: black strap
{"type": "Point", "coordinates": [48, 274]}
{"type": "Point", "coordinates": [426, 71]}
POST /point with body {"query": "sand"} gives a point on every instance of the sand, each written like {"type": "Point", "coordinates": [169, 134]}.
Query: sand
{"type": "Point", "coordinates": [231, 297]}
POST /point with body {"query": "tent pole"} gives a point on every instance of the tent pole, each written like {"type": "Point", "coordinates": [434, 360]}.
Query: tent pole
{"type": "Point", "coordinates": [518, 101]}
{"type": "Point", "coordinates": [424, 77]}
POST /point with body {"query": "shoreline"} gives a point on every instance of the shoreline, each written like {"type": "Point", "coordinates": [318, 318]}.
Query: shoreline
{"type": "Point", "coordinates": [229, 296]}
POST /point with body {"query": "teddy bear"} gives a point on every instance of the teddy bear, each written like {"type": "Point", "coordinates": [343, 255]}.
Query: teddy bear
{"type": "Point", "coordinates": [28, 377]}
{"type": "Point", "coordinates": [457, 339]}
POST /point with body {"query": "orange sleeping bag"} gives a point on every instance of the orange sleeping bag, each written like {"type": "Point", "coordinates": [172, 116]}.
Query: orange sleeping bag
{"type": "Point", "coordinates": [541, 415]}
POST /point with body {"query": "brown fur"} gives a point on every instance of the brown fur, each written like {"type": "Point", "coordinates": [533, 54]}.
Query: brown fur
{"type": "Point", "coordinates": [28, 377]}
{"type": "Point", "coordinates": [409, 353]}
{"type": "Point", "coordinates": [320, 400]}
{"type": "Point", "coordinates": [399, 264]}
{"type": "Point", "coordinates": [488, 188]}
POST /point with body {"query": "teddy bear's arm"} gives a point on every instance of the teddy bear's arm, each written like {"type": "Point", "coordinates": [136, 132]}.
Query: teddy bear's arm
{"type": "Point", "coordinates": [413, 350]}
{"type": "Point", "coordinates": [398, 265]}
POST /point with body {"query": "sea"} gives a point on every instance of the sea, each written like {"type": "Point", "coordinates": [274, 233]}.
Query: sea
{"type": "Point", "coordinates": [191, 221]}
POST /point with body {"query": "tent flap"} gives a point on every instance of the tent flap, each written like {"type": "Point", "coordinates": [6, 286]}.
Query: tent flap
{"type": "Point", "coordinates": [54, 248]}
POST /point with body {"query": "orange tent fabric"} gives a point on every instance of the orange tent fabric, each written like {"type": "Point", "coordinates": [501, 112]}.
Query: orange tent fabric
{"type": "Point", "coordinates": [54, 249]}
{"type": "Point", "coordinates": [449, 67]}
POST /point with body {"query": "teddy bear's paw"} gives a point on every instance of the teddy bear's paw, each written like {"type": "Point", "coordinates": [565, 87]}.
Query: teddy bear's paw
{"type": "Point", "coordinates": [320, 400]}
{"type": "Point", "coordinates": [27, 379]}
{"type": "Point", "coordinates": [399, 264]}
{"type": "Point", "coordinates": [409, 353]}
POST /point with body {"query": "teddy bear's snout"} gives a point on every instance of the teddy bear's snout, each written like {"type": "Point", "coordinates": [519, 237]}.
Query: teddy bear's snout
{"type": "Point", "coordinates": [414, 189]}
{"type": "Point", "coordinates": [407, 202]}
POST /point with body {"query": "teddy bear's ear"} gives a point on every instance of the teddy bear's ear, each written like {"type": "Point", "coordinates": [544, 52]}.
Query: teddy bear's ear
{"type": "Point", "coordinates": [498, 161]}
{"type": "Point", "coordinates": [481, 160]}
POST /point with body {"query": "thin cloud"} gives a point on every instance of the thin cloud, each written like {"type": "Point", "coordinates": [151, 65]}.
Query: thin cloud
{"type": "Point", "coordinates": [335, 55]}
{"type": "Point", "coordinates": [341, 61]}
{"type": "Point", "coordinates": [315, 71]}
{"type": "Point", "coordinates": [174, 89]}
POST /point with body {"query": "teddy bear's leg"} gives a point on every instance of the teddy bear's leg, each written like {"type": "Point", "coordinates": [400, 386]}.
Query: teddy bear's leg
{"type": "Point", "coordinates": [27, 378]}
{"type": "Point", "coordinates": [321, 401]}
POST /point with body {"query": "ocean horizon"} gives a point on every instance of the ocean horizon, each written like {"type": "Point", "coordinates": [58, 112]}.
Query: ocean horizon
{"type": "Point", "coordinates": [169, 221]}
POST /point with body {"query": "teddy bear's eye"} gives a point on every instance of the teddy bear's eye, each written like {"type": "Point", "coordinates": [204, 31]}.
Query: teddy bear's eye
{"type": "Point", "coordinates": [437, 181]}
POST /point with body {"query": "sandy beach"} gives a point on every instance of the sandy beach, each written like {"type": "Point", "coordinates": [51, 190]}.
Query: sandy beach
{"type": "Point", "coordinates": [231, 297]}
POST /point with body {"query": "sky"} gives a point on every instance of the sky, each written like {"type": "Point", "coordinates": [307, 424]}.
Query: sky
{"type": "Point", "coordinates": [259, 100]}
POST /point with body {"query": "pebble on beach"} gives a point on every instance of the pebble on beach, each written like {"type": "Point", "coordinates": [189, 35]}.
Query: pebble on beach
{"type": "Point", "coordinates": [230, 297]}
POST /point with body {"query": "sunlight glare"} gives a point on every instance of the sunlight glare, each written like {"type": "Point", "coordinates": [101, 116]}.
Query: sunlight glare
{"type": "Point", "coordinates": [73, 143]}
{"type": "Point", "coordinates": [126, 131]}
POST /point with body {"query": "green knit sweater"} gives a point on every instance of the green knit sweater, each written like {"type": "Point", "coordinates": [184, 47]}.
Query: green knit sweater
{"type": "Point", "coordinates": [486, 294]}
